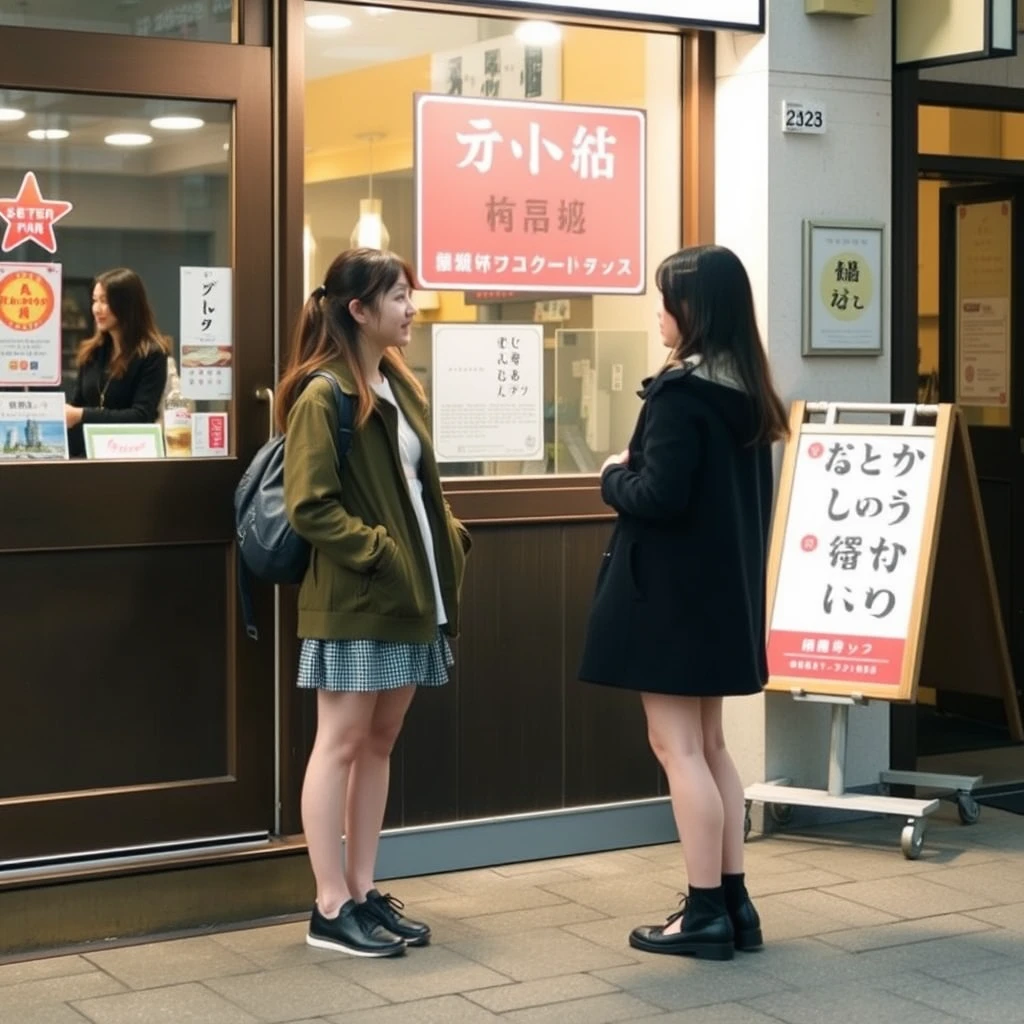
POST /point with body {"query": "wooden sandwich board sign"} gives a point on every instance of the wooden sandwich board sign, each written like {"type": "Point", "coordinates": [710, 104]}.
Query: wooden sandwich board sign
{"type": "Point", "coordinates": [880, 578]}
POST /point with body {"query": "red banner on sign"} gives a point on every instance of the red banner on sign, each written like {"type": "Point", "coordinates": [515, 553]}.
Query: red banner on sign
{"type": "Point", "coordinates": [530, 197]}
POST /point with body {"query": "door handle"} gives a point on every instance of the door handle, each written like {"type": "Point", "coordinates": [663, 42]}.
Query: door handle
{"type": "Point", "coordinates": [267, 395]}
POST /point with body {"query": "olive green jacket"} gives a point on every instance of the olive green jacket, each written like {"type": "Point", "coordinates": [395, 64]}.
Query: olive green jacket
{"type": "Point", "coordinates": [368, 576]}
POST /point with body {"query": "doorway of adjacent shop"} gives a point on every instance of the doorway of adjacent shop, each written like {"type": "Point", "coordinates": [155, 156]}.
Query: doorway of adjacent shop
{"type": "Point", "coordinates": [970, 346]}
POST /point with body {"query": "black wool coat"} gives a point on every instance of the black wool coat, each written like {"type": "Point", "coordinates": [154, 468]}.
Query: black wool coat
{"type": "Point", "coordinates": [680, 600]}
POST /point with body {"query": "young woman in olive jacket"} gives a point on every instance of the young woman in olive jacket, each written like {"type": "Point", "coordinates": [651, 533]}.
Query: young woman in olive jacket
{"type": "Point", "coordinates": [381, 595]}
{"type": "Point", "coordinates": [679, 610]}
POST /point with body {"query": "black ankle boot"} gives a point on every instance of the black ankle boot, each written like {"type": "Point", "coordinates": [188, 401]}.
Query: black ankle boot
{"type": "Point", "coordinates": [706, 931]}
{"type": "Point", "coordinates": [746, 922]}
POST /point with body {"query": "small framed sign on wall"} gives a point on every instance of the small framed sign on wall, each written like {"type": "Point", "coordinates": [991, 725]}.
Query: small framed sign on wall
{"type": "Point", "coordinates": [843, 279]}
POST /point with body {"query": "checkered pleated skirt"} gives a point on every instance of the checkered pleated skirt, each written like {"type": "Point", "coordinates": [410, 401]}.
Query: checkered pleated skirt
{"type": "Point", "coordinates": [369, 666]}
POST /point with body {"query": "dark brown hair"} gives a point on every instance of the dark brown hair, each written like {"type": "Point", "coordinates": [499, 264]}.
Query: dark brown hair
{"type": "Point", "coordinates": [127, 299]}
{"type": "Point", "coordinates": [707, 291]}
{"type": "Point", "coordinates": [327, 330]}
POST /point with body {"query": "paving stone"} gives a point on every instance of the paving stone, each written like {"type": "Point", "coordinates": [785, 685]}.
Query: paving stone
{"type": "Point", "coordinates": [637, 894]}
{"type": "Point", "coordinates": [996, 1007]}
{"type": "Point", "coordinates": [1011, 917]}
{"type": "Point", "coordinates": [192, 1003]}
{"type": "Point", "coordinates": [859, 940]}
{"type": "Point", "coordinates": [24, 994]}
{"type": "Point", "coordinates": [446, 1010]}
{"type": "Point", "coordinates": [161, 964]}
{"type": "Point", "coordinates": [492, 901]}
{"type": "Point", "coordinates": [48, 967]}
{"type": "Point", "coordinates": [48, 1013]}
{"type": "Point", "coordinates": [724, 1013]}
{"type": "Point", "coordinates": [951, 957]}
{"type": "Point", "coordinates": [909, 897]}
{"type": "Point", "coordinates": [420, 974]}
{"type": "Point", "coordinates": [541, 954]}
{"type": "Point", "coordinates": [995, 881]}
{"type": "Point", "coordinates": [681, 983]}
{"type": "Point", "coordinates": [595, 1010]}
{"type": "Point", "coordinates": [274, 946]}
{"type": "Point", "coordinates": [847, 1004]}
{"type": "Point", "coordinates": [540, 993]}
{"type": "Point", "coordinates": [294, 992]}
{"type": "Point", "coordinates": [793, 915]}
{"type": "Point", "coordinates": [527, 920]}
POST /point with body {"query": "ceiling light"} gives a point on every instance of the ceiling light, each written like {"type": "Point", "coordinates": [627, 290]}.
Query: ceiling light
{"type": "Point", "coordinates": [128, 139]}
{"type": "Point", "coordinates": [48, 134]}
{"type": "Point", "coordinates": [177, 124]}
{"type": "Point", "coordinates": [11, 114]}
{"type": "Point", "coordinates": [328, 22]}
{"type": "Point", "coordinates": [538, 33]}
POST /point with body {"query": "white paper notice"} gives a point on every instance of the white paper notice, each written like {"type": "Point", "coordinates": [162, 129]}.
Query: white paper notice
{"type": "Point", "coordinates": [209, 434]}
{"type": "Point", "coordinates": [488, 392]}
{"type": "Point", "coordinates": [984, 353]}
{"type": "Point", "coordinates": [207, 332]}
{"type": "Point", "coordinates": [30, 324]}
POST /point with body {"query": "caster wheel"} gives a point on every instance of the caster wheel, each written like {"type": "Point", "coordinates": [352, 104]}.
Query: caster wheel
{"type": "Point", "coordinates": [968, 808]}
{"type": "Point", "coordinates": [781, 814]}
{"type": "Point", "coordinates": [912, 839]}
{"type": "Point", "coordinates": [747, 824]}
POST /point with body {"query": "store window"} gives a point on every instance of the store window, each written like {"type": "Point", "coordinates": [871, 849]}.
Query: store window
{"type": "Point", "coordinates": [109, 207]}
{"type": "Point", "coordinates": [206, 20]}
{"type": "Point", "coordinates": [568, 343]}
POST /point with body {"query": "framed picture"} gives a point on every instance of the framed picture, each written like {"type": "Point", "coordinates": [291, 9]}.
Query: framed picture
{"type": "Point", "coordinates": [843, 279]}
{"type": "Point", "coordinates": [123, 440]}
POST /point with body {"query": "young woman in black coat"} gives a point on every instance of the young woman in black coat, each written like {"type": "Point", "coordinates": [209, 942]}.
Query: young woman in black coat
{"type": "Point", "coordinates": [678, 614]}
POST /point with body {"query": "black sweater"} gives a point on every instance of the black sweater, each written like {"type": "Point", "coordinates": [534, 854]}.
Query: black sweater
{"type": "Point", "coordinates": [132, 398]}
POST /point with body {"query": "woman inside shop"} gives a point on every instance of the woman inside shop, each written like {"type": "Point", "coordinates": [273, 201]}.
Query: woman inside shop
{"type": "Point", "coordinates": [679, 610]}
{"type": "Point", "coordinates": [381, 595]}
{"type": "Point", "coordinates": [122, 368]}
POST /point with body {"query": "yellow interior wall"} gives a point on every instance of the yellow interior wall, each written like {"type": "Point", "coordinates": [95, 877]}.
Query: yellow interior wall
{"type": "Point", "coordinates": [598, 66]}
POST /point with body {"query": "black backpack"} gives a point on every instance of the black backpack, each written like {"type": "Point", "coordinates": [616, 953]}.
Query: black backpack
{"type": "Point", "coordinates": [268, 547]}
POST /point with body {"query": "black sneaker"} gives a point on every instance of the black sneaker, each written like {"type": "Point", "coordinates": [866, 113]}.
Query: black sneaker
{"type": "Point", "coordinates": [352, 932]}
{"type": "Point", "coordinates": [385, 910]}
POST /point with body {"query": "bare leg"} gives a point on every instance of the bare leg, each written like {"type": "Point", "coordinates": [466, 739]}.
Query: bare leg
{"type": "Point", "coordinates": [674, 731]}
{"type": "Point", "coordinates": [343, 723]}
{"type": "Point", "coordinates": [727, 779]}
{"type": "Point", "coordinates": [368, 789]}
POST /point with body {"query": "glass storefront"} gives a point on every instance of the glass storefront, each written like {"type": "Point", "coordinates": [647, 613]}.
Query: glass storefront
{"type": "Point", "coordinates": [364, 68]}
{"type": "Point", "coordinates": [93, 184]}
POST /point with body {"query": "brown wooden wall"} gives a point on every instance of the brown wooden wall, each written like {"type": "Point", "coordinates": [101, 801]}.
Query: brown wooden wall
{"type": "Point", "coordinates": [514, 731]}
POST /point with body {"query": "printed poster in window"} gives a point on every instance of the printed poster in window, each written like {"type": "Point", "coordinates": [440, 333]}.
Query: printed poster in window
{"type": "Point", "coordinates": [30, 324]}
{"type": "Point", "coordinates": [843, 289]}
{"type": "Point", "coordinates": [502, 68]}
{"type": "Point", "coordinates": [851, 553]}
{"type": "Point", "coordinates": [206, 332]}
{"type": "Point", "coordinates": [488, 392]}
{"type": "Point", "coordinates": [552, 197]}
{"type": "Point", "coordinates": [32, 426]}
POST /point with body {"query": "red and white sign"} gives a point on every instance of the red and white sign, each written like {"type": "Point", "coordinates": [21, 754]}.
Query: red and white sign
{"type": "Point", "coordinates": [209, 434]}
{"type": "Point", "coordinates": [30, 317]}
{"type": "Point", "coordinates": [850, 558]}
{"type": "Point", "coordinates": [30, 217]}
{"type": "Point", "coordinates": [530, 197]}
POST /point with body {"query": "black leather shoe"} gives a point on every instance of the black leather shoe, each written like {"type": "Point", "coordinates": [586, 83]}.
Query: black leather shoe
{"type": "Point", "coordinates": [746, 924]}
{"type": "Point", "coordinates": [386, 910]}
{"type": "Point", "coordinates": [707, 937]}
{"type": "Point", "coordinates": [353, 933]}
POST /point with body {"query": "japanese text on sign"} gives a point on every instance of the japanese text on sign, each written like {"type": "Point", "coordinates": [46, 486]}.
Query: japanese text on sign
{"type": "Point", "coordinates": [488, 392]}
{"type": "Point", "coordinates": [552, 196]}
{"type": "Point", "coordinates": [206, 332]}
{"type": "Point", "coordinates": [850, 557]}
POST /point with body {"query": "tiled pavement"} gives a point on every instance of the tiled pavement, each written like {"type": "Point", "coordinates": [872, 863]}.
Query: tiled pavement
{"type": "Point", "coordinates": [855, 934]}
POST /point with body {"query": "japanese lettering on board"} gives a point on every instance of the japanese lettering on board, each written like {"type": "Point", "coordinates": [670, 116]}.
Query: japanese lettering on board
{"type": "Point", "coordinates": [843, 281]}
{"type": "Point", "coordinates": [30, 324]}
{"type": "Point", "coordinates": [206, 332]}
{"type": "Point", "coordinates": [850, 557]}
{"type": "Point", "coordinates": [550, 197]}
{"type": "Point", "coordinates": [488, 392]}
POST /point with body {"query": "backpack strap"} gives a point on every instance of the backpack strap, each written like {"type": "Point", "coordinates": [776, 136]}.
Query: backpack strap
{"type": "Point", "coordinates": [346, 415]}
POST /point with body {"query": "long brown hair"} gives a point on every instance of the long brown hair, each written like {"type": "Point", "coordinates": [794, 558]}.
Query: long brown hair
{"type": "Point", "coordinates": [707, 291]}
{"type": "Point", "coordinates": [326, 329]}
{"type": "Point", "coordinates": [127, 299]}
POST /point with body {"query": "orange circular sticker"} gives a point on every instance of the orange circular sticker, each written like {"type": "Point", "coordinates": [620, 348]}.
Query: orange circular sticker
{"type": "Point", "coordinates": [26, 300]}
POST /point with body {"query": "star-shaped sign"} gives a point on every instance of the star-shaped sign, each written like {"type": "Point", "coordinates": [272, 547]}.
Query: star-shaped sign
{"type": "Point", "coordinates": [30, 217]}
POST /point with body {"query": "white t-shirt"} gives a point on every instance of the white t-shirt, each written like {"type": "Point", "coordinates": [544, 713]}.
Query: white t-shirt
{"type": "Point", "coordinates": [412, 453]}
